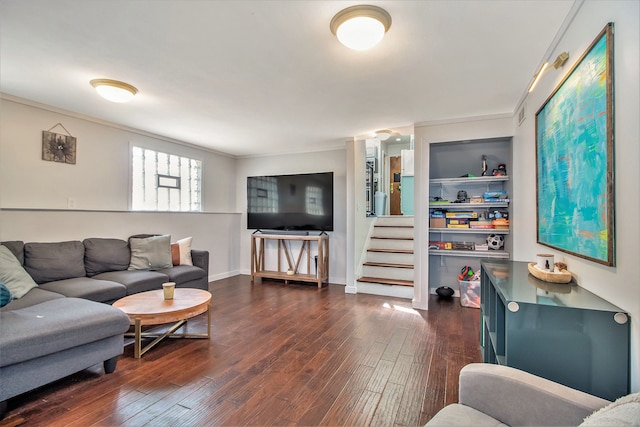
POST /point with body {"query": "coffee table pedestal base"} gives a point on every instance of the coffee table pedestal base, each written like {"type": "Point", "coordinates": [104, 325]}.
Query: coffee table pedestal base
{"type": "Point", "coordinates": [138, 350]}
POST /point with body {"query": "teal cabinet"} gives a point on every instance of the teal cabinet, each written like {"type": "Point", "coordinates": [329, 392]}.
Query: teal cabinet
{"type": "Point", "coordinates": [557, 331]}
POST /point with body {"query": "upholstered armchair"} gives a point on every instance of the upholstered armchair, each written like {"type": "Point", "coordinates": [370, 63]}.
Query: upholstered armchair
{"type": "Point", "coordinates": [493, 395]}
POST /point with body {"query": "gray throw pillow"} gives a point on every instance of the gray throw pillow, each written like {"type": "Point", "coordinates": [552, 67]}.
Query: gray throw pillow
{"type": "Point", "coordinates": [48, 262]}
{"type": "Point", "coordinates": [150, 253]}
{"type": "Point", "coordinates": [101, 255]}
{"type": "Point", "coordinates": [13, 275]}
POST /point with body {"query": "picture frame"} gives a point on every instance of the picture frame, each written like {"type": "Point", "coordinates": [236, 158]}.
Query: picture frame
{"type": "Point", "coordinates": [574, 158]}
{"type": "Point", "coordinates": [57, 147]}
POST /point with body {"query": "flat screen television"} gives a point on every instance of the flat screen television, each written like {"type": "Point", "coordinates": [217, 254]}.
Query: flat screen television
{"type": "Point", "coordinates": [301, 202]}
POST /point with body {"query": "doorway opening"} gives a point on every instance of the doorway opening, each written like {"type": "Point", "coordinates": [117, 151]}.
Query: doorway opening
{"type": "Point", "coordinates": [389, 177]}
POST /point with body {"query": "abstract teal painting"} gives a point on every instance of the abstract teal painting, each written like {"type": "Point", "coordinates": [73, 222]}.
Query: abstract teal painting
{"type": "Point", "coordinates": [574, 158]}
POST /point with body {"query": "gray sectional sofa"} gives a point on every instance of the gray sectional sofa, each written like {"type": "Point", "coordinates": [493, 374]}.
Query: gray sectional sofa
{"type": "Point", "coordinates": [66, 323]}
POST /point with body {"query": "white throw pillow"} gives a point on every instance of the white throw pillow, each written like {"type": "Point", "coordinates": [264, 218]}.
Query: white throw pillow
{"type": "Point", "coordinates": [181, 252]}
{"type": "Point", "coordinates": [13, 275]}
{"type": "Point", "coordinates": [623, 412]}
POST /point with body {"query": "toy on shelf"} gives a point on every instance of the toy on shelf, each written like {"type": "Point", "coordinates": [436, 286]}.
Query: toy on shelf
{"type": "Point", "coordinates": [495, 241]}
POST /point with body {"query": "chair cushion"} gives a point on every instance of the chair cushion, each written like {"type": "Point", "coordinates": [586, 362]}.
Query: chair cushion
{"type": "Point", "coordinates": [84, 287]}
{"type": "Point", "coordinates": [102, 255]}
{"type": "Point", "coordinates": [13, 275]}
{"type": "Point", "coordinates": [623, 412]}
{"type": "Point", "coordinates": [46, 262]}
{"type": "Point", "coordinates": [461, 415]}
{"type": "Point", "coordinates": [135, 281]}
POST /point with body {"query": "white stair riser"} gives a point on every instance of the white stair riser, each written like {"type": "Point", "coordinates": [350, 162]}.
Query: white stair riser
{"type": "Point", "coordinates": [393, 258]}
{"type": "Point", "coordinates": [394, 232]}
{"type": "Point", "coordinates": [386, 290]}
{"type": "Point", "coordinates": [388, 272]}
{"type": "Point", "coordinates": [391, 244]}
{"type": "Point", "coordinates": [395, 220]}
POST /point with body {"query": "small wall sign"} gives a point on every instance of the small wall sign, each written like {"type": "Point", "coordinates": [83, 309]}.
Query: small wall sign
{"type": "Point", "coordinates": [57, 147]}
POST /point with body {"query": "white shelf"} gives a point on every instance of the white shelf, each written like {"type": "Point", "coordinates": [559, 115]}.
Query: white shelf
{"type": "Point", "coordinates": [466, 206]}
{"type": "Point", "coordinates": [470, 254]}
{"type": "Point", "coordinates": [467, 180]}
{"type": "Point", "coordinates": [468, 230]}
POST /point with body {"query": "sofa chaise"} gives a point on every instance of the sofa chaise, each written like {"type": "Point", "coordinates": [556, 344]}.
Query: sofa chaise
{"type": "Point", "coordinates": [61, 320]}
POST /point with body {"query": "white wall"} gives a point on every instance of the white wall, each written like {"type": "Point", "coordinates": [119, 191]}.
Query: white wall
{"type": "Point", "coordinates": [323, 161]}
{"type": "Point", "coordinates": [100, 178]}
{"type": "Point", "coordinates": [620, 284]}
{"type": "Point", "coordinates": [359, 225]}
{"type": "Point", "coordinates": [34, 192]}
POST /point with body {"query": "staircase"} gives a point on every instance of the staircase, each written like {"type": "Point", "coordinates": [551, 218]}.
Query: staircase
{"type": "Point", "coordinates": [388, 264]}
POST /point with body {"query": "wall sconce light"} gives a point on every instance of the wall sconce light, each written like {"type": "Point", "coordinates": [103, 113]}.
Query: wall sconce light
{"type": "Point", "coordinates": [114, 90]}
{"type": "Point", "coordinates": [559, 62]}
{"type": "Point", "coordinates": [360, 27]}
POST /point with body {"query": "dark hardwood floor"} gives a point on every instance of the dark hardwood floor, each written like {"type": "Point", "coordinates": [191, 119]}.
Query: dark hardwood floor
{"type": "Point", "coordinates": [279, 355]}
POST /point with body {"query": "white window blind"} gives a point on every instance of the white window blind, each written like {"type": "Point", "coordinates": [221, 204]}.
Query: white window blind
{"type": "Point", "coordinates": [165, 182]}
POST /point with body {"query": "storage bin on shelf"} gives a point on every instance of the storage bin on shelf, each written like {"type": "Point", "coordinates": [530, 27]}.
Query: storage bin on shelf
{"type": "Point", "coordinates": [470, 293]}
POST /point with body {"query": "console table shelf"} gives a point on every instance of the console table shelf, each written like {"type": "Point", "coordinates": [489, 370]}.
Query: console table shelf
{"type": "Point", "coordinates": [557, 331]}
{"type": "Point", "coordinates": [293, 263]}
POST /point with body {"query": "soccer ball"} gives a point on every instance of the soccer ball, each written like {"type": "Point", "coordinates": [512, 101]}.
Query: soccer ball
{"type": "Point", "coordinates": [495, 241]}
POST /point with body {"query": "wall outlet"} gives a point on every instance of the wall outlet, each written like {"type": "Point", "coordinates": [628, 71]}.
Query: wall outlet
{"type": "Point", "coordinates": [71, 203]}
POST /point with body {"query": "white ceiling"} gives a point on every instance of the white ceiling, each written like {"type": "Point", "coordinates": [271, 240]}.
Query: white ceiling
{"type": "Point", "coordinates": [257, 77]}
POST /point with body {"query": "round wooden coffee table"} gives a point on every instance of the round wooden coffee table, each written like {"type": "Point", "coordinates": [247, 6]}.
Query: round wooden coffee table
{"type": "Point", "coordinates": [150, 308]}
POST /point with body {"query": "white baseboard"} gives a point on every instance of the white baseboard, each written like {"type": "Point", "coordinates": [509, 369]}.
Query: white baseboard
{"type": "Point", "coordinates": [214, 277]}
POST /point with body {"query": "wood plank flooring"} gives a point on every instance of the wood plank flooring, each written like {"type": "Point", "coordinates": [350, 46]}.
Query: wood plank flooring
{"type": "Point", "coordinates": [280, 354]}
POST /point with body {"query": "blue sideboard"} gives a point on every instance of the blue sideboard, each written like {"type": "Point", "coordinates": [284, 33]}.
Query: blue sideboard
{"type": "Point", "coordinates": [557, 331]}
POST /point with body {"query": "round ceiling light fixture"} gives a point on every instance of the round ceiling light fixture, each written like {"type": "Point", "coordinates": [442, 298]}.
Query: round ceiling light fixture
{"type": "Point", "coordinates": [114, 90]}
{"type": "Point", "coordinates": [360, 27]}
{"type": "Point", "coordinates": [384, 134]}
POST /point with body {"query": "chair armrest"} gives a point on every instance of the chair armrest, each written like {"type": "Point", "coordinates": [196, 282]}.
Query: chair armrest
{"type": "Point", "coordinates": [200, 259]}
{"type": "Point", "coordinates": [515, 397]}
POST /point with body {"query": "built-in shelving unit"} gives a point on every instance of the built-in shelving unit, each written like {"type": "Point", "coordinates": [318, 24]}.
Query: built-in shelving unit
{"type": "Point", "coordinates": [451, 164]}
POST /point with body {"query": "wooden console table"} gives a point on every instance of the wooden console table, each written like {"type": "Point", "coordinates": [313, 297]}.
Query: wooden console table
{"type": "Point", "coordinates": [258, 258]}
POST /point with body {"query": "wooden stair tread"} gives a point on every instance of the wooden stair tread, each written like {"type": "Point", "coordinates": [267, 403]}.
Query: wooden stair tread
{"type": "Point", "coordinates": [392, 238]}
{"type": "Point", "coordinates": [386, 281]}
{"type": "Point", "coordinates": [387, 264]}
{"type": "Point", "coordinates": [391, 251]}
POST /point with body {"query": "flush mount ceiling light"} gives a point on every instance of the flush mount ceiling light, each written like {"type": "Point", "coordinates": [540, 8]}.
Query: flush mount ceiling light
{"type": "Point", "coordinates": [360, 27]}
{"type": "Point", "coordinates": [114, 90]}
{"type": "Point", "coordinates": [384, 134]}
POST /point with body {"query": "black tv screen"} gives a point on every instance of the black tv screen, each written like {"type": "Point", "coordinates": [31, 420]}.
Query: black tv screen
{"type": "Point", "coordinates": [290, 202]}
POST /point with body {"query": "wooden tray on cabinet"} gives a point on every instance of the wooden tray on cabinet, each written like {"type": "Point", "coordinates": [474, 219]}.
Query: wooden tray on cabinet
{"type": "Point", "coordinates": [562, 276]}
